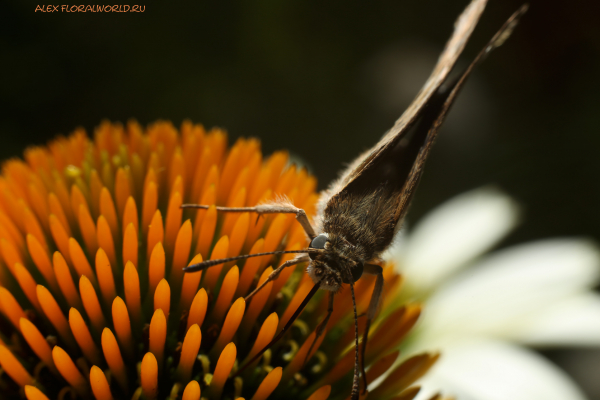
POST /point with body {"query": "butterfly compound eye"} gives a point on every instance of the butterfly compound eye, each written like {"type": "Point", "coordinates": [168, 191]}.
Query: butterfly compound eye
{"type": "Point", "coordinates": [318, 243]}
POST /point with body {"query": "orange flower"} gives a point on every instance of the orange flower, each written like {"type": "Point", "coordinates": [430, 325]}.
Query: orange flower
{"type": "Point", "coordinates": [94, 302]}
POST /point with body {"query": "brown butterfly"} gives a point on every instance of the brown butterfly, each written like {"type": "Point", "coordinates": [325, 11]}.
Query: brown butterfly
{"type": "Point", "coordinates": [360, 213]}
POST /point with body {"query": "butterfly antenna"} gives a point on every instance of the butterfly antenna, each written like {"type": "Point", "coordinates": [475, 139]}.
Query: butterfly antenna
{"type": "Point", "coordinates": [210, 263]}
{"type": "Point", "coordinates": [287, 326]}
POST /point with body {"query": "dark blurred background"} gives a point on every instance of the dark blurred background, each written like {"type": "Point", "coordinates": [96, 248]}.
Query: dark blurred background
{"type": "Point", "coordinates": [326, 79]}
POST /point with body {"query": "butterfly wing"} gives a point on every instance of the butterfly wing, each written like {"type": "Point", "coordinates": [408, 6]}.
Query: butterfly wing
{"type": "Point", "coordinates": [462, 31]}
{"type": "Point", "coordinates": [446, 98]}
{"type": "Point", "coordinates": [393, 167]}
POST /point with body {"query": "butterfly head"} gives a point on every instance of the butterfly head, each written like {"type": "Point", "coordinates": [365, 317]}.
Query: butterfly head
{"type": "Point", "coordinates": [332, 267]}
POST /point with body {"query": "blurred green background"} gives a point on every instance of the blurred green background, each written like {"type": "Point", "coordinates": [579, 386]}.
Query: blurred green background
{"type": "Point", "coordinates": [325, 80]}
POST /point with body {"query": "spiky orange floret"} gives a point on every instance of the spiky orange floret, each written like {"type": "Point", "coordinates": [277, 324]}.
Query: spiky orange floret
{"type": "Point", "coordinates": [94, 302]}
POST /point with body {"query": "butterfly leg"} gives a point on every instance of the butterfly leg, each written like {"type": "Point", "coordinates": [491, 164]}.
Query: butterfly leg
{"type": "Point", "coordinates": [275, 274]}
{"type": "Point", "coordinates": [321, 327]}
{"type": "Point", "coordinates": [269, 208]}
{"type": "Point", "coordinates": [289, 208]}
{"type": "Point", "coordinates": [376, 270]}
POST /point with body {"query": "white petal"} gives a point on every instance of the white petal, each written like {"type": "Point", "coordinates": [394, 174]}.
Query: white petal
{"type": "Point", "coordinates": [454, 234]}
{"type": "Point", "coordinates": [488, 370]}
{"type": "Point", "coordinates": [508, 288]}
{"type": "Point", "coordinates": [573, 322]}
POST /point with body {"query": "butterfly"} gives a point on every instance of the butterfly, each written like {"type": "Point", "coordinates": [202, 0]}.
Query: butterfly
{"type": "Point", "coordinates": [359, 214]}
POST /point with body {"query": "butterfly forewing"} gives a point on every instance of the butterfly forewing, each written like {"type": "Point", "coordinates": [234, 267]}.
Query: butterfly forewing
{"type": "Point", "coordinates": [449, 95]}
{"type": "Point", "coordinates": [463, 28]}
{"type": "Point", "coordinates": [374, 192]}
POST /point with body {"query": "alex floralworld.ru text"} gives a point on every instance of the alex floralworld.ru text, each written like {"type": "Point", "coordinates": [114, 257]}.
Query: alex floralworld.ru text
{"type": "Point", "coordinates": [90, 8]}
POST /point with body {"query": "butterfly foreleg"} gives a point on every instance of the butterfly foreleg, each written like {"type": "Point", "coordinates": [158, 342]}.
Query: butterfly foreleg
{"type": "Point", "coordinates": [268, 208]}
{"type": "Point", "coordinates": [275, 274]}
{"type": "Point", "coordinates": [376, 270]}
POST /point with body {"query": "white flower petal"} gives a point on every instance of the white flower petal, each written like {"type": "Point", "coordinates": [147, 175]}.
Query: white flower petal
{"type": "Point", "coordinates": [573, 322]}
{"type": "Point", "coordinates": [489, 370]}
{"type": "Point", "coordinates": [508, 288]}
{"type": "Point", "coordinates": [454, 234]}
